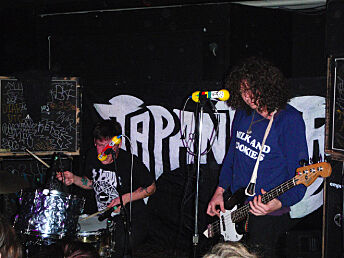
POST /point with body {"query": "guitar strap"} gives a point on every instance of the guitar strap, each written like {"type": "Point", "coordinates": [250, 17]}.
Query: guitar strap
{"type": "Point", "coordinates": [250, 189]}
{"type": "Point", "coordinates": [246, 223]}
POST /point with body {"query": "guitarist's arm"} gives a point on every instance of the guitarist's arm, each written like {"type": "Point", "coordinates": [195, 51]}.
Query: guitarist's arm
{"type": "Point", "coordinates": [260, 209]}
{"type": "Point", "coordinates": [225, 174]}
{"type": "Point", "coordinates": [216, 200]}
{"type": "Point", "coordinates": [224, 181]}
{"type": "Point", "coordinates": [294, 147]}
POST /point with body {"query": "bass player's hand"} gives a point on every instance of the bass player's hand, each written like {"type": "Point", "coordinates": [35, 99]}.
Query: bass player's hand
{"type": "Point", "coordinates": [217, 200]}
{"type": "Point", "coordinates": [259, 209]}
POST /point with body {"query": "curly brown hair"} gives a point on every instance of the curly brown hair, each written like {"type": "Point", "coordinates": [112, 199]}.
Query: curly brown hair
{"type": "Point", "coordinates": [266, 82]}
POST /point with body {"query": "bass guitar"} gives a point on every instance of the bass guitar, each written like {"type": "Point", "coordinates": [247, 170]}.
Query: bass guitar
{"type": "Point", "coordinates": [228, 223]}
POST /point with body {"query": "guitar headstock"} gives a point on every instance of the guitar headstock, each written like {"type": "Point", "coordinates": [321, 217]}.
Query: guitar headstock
{"type": "Point", "coordinates": [306, 175]}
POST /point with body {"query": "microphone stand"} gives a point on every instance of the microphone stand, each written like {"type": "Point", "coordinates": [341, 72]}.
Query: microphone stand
{"type": "Point", "coordinates": [123, 212]}
{"type": "Point", "coordinates": [52, 182]}
{"type": "Point", "coordinates": [195, 238]}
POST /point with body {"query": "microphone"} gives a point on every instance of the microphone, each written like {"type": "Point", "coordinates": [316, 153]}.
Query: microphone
{"type": "Point", "coordinates": [106, 214]}
{"type": "Point", "coordinates": [107, 149]}
{"type": "Point", "coordinates": [222, 95]}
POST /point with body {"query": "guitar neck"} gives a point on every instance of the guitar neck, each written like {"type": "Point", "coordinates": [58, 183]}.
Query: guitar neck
{"type": "Point", "coordinates": [242, 212]}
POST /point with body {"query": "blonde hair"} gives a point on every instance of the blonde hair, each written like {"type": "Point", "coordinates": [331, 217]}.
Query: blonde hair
{"type": "Point", "coordinates": [229, 249]}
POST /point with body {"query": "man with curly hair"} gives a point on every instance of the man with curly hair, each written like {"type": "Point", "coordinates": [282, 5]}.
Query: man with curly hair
{"type": "Point", "coordinates": [259, 94]}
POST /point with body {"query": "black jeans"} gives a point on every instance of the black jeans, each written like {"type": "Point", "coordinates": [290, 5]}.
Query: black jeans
{"type": "Point", "coordinates": [266, 234]}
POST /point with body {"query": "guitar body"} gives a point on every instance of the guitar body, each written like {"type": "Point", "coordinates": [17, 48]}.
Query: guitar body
{"type": "Point", "coordinates": [234, 202]}
{"type": "Point", "coordinates": [228, 228]}
{"type": "Point", "coordinates": [237, 199]}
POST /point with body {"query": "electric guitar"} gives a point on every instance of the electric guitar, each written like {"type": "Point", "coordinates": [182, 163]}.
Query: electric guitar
{"type": "Point", "coordinates": [228, 223]}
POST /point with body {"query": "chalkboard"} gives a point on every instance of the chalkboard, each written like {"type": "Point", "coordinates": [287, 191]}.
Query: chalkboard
{"type": "Point", "coordinates": [58, 127]}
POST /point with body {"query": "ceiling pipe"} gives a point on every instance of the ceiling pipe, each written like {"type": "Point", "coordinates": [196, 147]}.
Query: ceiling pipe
{"type": "Point", "coordinates": [282, 3]}
{"type": "Point", "coordinates": [258, 3]}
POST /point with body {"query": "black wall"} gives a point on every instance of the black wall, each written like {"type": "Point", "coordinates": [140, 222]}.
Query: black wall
{"type": "Point", "coordinates": [334, 28]}
{"type": "Point", "coordinates": [164, 44]}
{"type": "Point", "coordinates": [170, 44]}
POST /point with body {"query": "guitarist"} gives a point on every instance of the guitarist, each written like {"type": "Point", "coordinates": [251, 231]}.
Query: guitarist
{"type": "Point", "coordinates": [259, 92]}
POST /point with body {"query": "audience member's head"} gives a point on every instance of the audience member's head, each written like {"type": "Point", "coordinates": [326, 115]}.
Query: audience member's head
{"type": "Point", "coordinates": [53, 250]}
{"type": "Point", "coordinates": [77, 249]}
{"type": "Point", "coordinates": [10, 246]}
{"type": "Point", "coordinates": [68, 249]}
{"type": "Point", "coordinates": [229, 249]}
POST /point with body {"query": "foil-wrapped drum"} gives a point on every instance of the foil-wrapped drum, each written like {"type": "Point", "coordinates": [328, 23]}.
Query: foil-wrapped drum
{"type": "Point", "coordinates": [48, 213]}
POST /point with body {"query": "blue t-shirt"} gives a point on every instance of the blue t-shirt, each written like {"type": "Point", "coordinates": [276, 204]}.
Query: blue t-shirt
{"type": "Point", "coordinates": [285, 146]}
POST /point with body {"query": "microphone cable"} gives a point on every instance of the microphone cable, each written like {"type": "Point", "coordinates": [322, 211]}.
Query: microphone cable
{"type": "Point", "coordinates": [131, 175]}
{"type": "Point", "coordinates": [213, 135]}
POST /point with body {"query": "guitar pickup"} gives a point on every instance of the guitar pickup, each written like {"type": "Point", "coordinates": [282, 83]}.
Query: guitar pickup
{"type": "Point", "coordinates": [223, 223]}
{"type": "Point", "coordinates": [209, 233]}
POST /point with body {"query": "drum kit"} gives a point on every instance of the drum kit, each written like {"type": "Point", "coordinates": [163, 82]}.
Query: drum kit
{"type": "Point", "coordinates": [47, 216]}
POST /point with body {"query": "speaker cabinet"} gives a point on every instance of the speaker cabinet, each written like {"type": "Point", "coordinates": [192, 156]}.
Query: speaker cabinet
{"type": "Point", "coordinates": [304, 244]}
{"type": "Point", "coordinates": [333, 210]}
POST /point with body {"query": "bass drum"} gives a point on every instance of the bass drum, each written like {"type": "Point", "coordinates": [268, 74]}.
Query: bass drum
{"type": "Point", "coordinates": [48, 214]}
{"type": "Point", "coordinates": [91, 230]}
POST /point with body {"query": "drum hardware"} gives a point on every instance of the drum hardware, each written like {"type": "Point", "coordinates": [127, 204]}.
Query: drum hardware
{"type": "Point", "coordinates": [98, 233]}
{"type": "Point", "coordinates": [95, 214]}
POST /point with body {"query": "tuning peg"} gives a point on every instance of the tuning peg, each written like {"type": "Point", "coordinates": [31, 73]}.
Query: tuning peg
{"type": "Point", "coordinates": [327, 157]}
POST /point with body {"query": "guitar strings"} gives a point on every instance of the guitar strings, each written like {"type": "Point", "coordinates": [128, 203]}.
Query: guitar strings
{"type": "Point", "coordinates": [239, 212]}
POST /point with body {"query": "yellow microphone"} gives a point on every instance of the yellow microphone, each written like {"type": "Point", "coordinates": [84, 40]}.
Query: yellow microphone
{"type": "Point", "coordinates": [115, 140]}
{"type": "Point", "coordinates": [222, 95]}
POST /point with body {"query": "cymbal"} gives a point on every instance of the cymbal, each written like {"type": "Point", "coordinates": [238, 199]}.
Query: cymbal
{"type": "Point", "coordinates": [10, 183]}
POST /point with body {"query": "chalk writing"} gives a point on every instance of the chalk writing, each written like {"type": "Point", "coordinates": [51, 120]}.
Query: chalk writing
{"type": "Point", "coordinates": [13, 108]}
{"type": "Point", "coordinates": [62, 91]}
{"type": "Point", "coordinates": [56, 131]}
{"type": "Point", "coordinates": [14, 92]}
